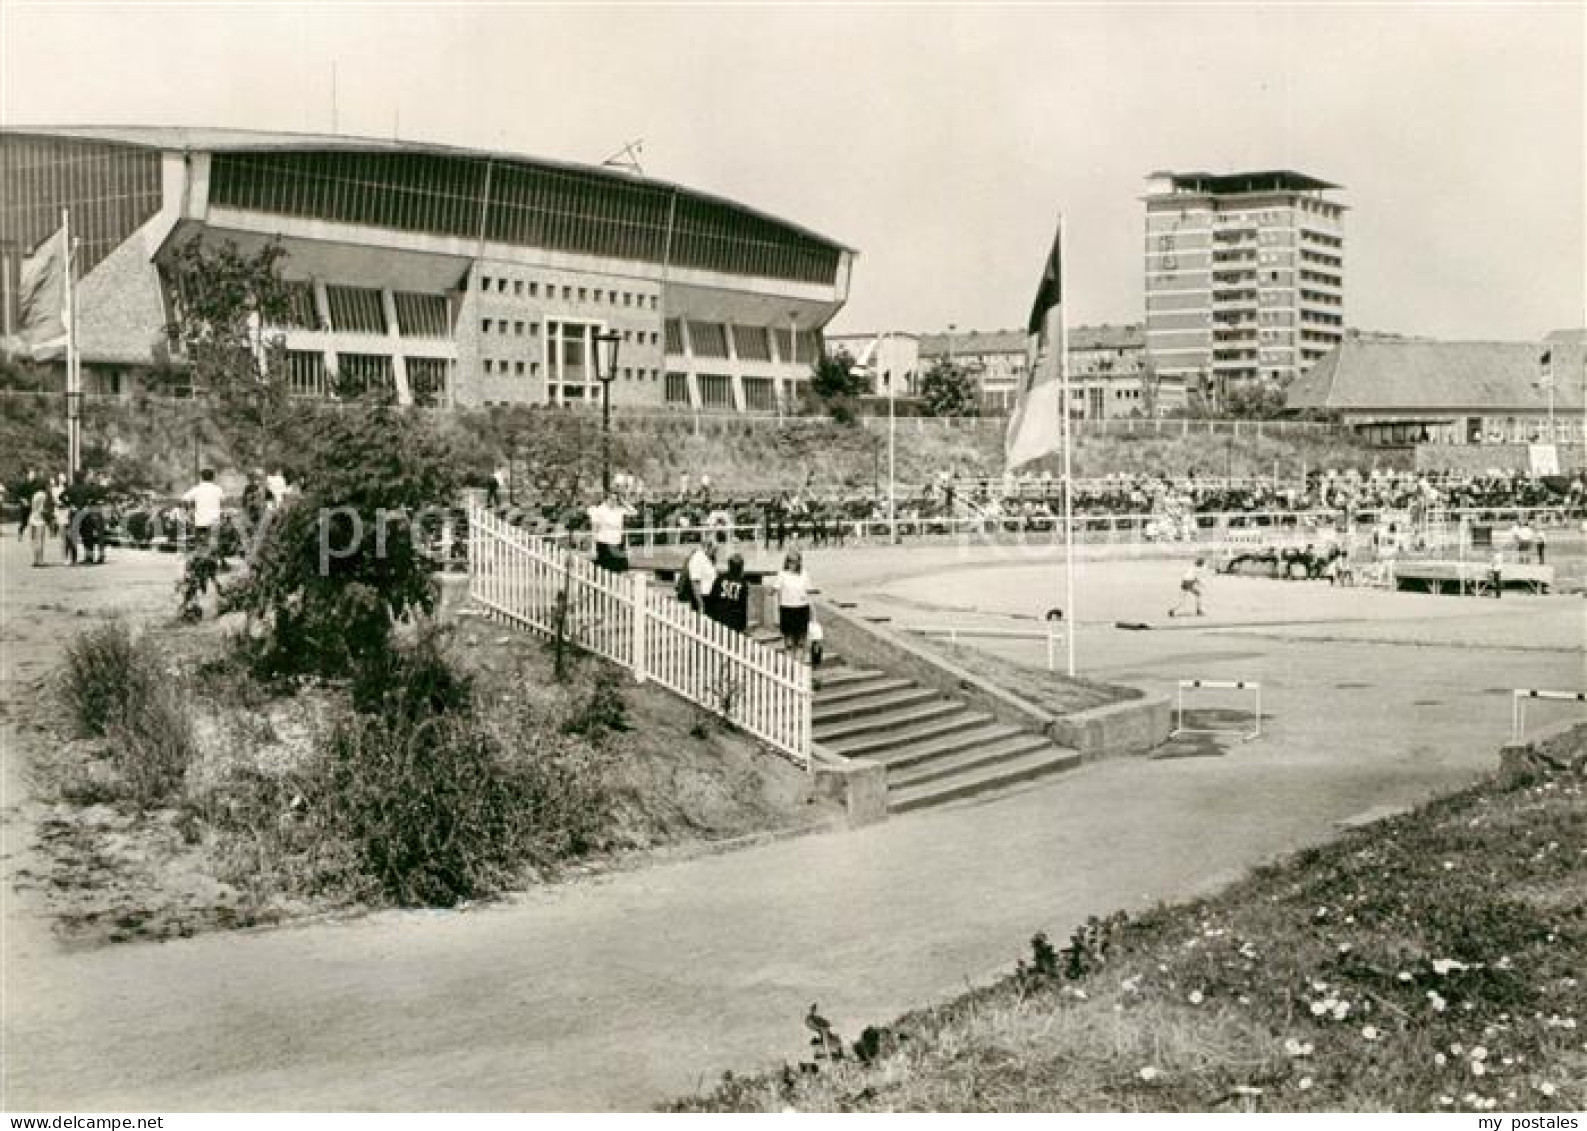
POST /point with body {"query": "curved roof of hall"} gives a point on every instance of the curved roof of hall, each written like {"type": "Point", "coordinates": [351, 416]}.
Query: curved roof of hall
{"type": "Point", "coordinates": [220, 139]}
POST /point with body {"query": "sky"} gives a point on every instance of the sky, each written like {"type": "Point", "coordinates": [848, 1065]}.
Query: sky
{"type": "Point", "coordinates": [939, 141]}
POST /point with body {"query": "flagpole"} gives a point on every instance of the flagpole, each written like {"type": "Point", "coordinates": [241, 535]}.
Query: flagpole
{"type": "Point", "coordinates": [1063, 408]}
{"type": "Point", "coordinates": [73, 373]}
{"type": "Point", "coordinates": [892, 518]}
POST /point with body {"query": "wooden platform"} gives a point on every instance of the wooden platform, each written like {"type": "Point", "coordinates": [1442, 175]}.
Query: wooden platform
{"type": "Point", "coordinates": [1475, 578]}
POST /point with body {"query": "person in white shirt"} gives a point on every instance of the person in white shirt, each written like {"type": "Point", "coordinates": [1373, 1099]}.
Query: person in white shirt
{"type": "Point", "coordinates": [205, 498]}
{"type": "Point", "coordinates": [702, 575]}
{"type": "Point", "coordinates": [1525, 541]}
{"type": "Point", "coordinates": [793, 601]}
{"type": "Point", "coordinates": [606, 520]}
{"type": "Point", "coordinates": [276, 487]}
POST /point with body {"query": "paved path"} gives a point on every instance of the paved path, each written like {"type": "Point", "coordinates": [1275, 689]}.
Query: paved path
{"type": "Point", "coordinates": [619, 992]}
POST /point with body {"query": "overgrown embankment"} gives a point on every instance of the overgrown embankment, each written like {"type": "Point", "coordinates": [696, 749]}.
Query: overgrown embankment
{"type": "Point", "coordinates": [179, 793]}
{"type": "Point", "coordinates": [1432, 962]}
{"type": "Point", "coordinates": [160, 444]}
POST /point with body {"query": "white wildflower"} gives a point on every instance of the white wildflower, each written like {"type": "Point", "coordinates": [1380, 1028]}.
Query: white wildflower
{"type": "Point", "coordinates": [1148, 1074]}
{"type": "Point", "coordinates": [1196, 997]}
{"type": "Point", "coordinates": [1304, 1083]}
{"type": "Point", "coordinates": [1369, 1032]}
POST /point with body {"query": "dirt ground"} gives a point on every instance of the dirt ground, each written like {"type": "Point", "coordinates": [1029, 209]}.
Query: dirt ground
{"type": "Point", "coordinates": [98, 872]}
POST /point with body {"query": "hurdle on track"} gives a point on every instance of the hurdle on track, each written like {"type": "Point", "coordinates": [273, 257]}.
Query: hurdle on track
{"type": "Point", "coordinates": [952, 632]}
{"type": "Point", "coordinates": [1518, 710]}
{"type": "Point", "coordinates": [1221, 685]}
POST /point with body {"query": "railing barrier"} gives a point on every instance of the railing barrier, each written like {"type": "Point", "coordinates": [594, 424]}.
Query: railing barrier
{"type": "Point", "coordinates": [1518, 709]}
{"type": "Point", "coordinates": [547, 588]}
{"type": "Point", "coordinates": [1218, 684]}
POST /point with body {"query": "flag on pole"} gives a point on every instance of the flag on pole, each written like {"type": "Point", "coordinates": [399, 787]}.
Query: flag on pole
{"type": "Point", "coordinates": [1545, 365]}
{"type": "Point", "coordinates": [1034, 425]}
{"type": "Point", "coordinates": [44, 318]}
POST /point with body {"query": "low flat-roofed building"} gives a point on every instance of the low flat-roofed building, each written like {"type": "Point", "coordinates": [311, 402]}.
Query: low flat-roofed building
{"type": "Point", "coordinates": [1416, 391]}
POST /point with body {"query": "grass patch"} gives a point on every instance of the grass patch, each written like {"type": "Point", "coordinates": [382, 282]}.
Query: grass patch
{"type": "Point", "coordinates": [1433, 962]}
{"type": "Point", "coordinates": [118, 687]}
{"type": "Point", "coordinates": [1051, 691]}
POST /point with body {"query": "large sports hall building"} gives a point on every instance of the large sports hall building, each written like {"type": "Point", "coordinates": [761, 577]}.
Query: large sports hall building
{"type": "Point", "coordinates": [450, 275]}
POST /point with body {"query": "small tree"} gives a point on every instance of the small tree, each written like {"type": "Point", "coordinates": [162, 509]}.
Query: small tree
{"type": "Point", "coordinates": [347, 556]}
{"type": "Point", "coordinates": [1254, 400]}
{"type": "Point", "coordinates": [835, 376]}
{"type": "Point", "coordinates": [227, 304]}
{"type": "Point", "coordinates": [947, 389]}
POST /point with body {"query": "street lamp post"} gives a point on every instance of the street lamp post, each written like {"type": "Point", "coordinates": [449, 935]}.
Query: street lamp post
{"type": "Point", "coordinates": [606, 345]}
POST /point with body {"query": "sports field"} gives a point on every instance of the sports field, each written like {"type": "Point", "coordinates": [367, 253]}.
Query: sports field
{"type": "Point", "coordinates": [1387, 673]}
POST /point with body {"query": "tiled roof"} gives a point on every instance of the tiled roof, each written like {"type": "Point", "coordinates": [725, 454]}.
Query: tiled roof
{"type": "Point", "coordinates": [1413, 376]}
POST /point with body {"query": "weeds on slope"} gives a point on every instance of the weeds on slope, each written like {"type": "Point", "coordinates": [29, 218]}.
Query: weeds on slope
{"type": "Point", "coordinates": [1430, 963]}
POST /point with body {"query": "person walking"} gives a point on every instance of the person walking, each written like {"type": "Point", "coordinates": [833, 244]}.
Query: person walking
{"type": "Point", "coordinates": [793, 601]}
{"type": "Point", "coordinates": [38, 520]}
{"type": "Point", "coordinates": [204, 498]}
{"type": "Point", "coordinates": [1190, 586]}
{"type": "Point", "coordinates": [63, 496]}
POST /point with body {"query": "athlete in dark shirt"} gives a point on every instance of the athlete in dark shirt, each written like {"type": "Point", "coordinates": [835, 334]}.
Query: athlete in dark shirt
{"type": "Point", "coordinates": [729, 600]}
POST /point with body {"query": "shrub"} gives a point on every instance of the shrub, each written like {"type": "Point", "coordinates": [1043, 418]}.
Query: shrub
{"type": "Point", "coordinates": [345, 558]}
{"type": "Point", "coordinates": [153, 746]}
{"type": "Point", "coordinates": [105, 672]}
{"type": "Point", "coordinates": [439, 812]}
{"type": "Point", "coordinates": [412, 683]}
{"type": "Point", "coordinates": [600, 710]}
{"type": "Point", "coordinates": [115, 685]}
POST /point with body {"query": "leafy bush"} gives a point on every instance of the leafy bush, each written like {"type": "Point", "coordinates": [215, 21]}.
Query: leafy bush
{"type": "Point", "coordinates": [345, 558]}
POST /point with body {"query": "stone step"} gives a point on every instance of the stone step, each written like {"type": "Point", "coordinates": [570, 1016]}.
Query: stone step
{"type": "Point", "coordinates": [878, 746]}
{"type": "Point", "coordinates": [879, 683]}
{"type": "Point", "coordinates": [884, 700]}
{"type": "Point", "coordinates": [1038, 763]}
{"type": "Point", "coordinates": [935, 744]}
{"type": "Point", "coordinates": [965, 760]}
{"type": "Point", "coordinates": [841, 677]}
{"type": "Point", "coordinates": [883, 721]}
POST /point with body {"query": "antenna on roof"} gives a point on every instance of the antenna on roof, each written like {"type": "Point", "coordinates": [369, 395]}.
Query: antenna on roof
{"type": "Point", "coordinates": [627, 157]}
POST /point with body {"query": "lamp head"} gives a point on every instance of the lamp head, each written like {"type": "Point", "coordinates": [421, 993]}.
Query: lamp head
{"type": "Point", "coordinates": [606, 346]}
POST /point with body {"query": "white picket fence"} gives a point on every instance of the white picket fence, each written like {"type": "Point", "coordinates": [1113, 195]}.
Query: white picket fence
{"type": "Point", "coordinates": [620, 616]}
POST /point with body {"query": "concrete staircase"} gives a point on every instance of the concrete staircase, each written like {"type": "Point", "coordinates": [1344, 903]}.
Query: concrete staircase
{"type": "Point", "coordinates": [936, 749]}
